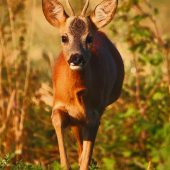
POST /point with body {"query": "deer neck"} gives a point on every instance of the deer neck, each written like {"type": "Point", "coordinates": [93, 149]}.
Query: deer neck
{"type": "Point", "coordinates": [78, 77]}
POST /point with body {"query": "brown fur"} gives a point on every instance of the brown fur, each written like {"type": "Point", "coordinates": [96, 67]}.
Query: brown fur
{"type": "Point", "coordinates": [80, 96]}
{"type": "Point", "coordinates": [81, 93]}
{"type": "Point", "coordinates": [77, 27]}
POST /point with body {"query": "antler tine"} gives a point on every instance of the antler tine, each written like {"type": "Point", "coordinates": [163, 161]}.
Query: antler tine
{"type": "Point", "coordinates": [85, 8]}
{"type": "Point", "coordinates": [70, 8]}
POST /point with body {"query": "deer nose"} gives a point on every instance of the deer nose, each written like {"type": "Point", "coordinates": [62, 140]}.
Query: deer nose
{"type": "Point", "coordinates": [76, 59]}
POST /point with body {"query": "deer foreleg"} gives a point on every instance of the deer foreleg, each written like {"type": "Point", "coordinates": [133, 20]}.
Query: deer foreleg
{"type": "Point", "coordinates": [59, 120]}
{"type": "Point", "coordinates": [78, 132]}
{"type": "Point", "coordinates": [89, 136]}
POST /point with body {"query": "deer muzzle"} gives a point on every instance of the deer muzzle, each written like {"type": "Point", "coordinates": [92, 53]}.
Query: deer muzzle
{"type": "Point", "coordinates": [76, 61]}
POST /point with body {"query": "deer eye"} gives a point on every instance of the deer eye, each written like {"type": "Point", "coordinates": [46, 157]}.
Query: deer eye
{"type": "Point", "coordinates": [89, 39]}
{"type": "Point", "coordinates": [64, 39]}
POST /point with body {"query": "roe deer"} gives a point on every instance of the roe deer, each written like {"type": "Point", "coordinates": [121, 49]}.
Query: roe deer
{"type": "Point", "coordinates": [87, 75]}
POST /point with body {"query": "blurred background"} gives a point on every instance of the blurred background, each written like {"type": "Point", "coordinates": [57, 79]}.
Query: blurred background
{"type": "Point", "coordinates": [135, 131]}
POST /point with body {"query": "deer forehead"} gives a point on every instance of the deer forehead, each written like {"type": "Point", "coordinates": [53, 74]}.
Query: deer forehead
{"type": "Point", "coordinates": [76, 26]}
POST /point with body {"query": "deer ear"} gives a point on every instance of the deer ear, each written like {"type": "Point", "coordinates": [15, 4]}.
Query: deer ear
{"type": "Point", "coordinates": [104, 13]}
{"type": "Point", "coordinates": [54, 12]}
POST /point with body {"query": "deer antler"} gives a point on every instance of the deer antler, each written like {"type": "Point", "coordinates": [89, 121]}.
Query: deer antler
{"type": "Point", "coordinates": [70, 8]}
{"type": "Point", "coordinates": [85, 8]}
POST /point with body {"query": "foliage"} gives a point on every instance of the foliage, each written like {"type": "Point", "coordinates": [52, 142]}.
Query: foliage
{"type": "Point", "coordinates": [23, 88]}
{"type": "Point", "coordinates": [94, 165]}
{"type": "Point", "coordinates": [5, 163]}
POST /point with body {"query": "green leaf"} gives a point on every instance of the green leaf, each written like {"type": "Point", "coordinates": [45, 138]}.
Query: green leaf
{"type": "Point", "coordinates": [94, 165]}
{"type": "Point", "coordinates": [135, 2]}
{"type": "Point", "coordinates": [138, 18]}
{"type": "Point", "coordinates": [156, 11]}
{"type": "Point", "coordinates": [144, 59]}
{"type": "Point", "coordinates": [129, 113]}
{"type": "Point", "coordinates": [108, 163]}
{"type": "Point", "coordinates": [141, 46]}
{"type": "Point", "coordinates": [126, 153]}
{"type": "Point", "coordinates": [157, 59]}
{"type": "Point", "coordinates": [56, 166]}
{"type": "Point", "coordinates": [157, 96]}
{"type": "Point", "coordinates": [142, 31]}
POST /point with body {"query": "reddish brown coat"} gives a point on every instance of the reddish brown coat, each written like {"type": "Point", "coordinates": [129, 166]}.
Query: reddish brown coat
{"type": "Point", "coordinates": [92, 88]}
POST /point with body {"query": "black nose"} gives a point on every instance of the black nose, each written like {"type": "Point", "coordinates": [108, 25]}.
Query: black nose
{"type": "Point", "coordinates": [76, 59]}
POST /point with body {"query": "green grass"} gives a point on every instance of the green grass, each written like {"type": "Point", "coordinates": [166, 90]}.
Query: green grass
{"type": "Point", "coordinates": [6, 162]}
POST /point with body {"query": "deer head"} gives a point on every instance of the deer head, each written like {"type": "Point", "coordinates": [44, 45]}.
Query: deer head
{"type": "Point", "coordinates": [77, 32]}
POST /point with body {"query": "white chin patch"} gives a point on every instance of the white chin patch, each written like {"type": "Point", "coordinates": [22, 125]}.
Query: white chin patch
{"type": "Point", "coordinates": [76, 67]}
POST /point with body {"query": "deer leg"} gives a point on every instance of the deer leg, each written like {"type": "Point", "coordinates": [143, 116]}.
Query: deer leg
{"type": "Point", "coordinates": [78, 132]}
{"type": "Point", "coordinates": [89, 136]}
{"type": "Point", "coordinates": [60, 119]}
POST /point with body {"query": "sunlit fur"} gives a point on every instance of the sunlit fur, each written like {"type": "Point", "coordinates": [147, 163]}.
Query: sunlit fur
{"type": "Point", "coordinates": [76, 38]}
{"type": "Point", "coordinates": [82, 91]}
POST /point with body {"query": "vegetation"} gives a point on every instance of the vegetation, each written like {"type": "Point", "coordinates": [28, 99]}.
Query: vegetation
{"type": "Point", "coordinates": [4, 164]}
{"type": "Point", "coordinates": [134, 132]}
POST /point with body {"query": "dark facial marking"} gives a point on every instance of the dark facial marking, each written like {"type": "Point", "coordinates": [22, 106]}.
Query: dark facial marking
{"type": "Point", "coordinates": [76, 59]}
{"type": "Point", "coordinates": [77, 27]}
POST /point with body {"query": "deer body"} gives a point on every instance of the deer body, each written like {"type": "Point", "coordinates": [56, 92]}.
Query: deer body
{"type": "Point", "coordinates": [89, 90]}
{"type": "Point", "coordinates": [87, 76]}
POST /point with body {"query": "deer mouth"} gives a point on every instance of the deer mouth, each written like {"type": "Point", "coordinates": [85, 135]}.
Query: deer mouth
{"type": "Point", "coordinates": [76, 67]}
{"type": "Point", "coordinates": [76, 62]}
